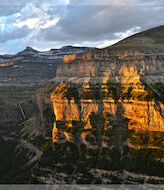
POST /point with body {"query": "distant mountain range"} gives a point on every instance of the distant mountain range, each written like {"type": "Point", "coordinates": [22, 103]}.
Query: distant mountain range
{"type": "Point", "coordinates": [32, 67]}
{"type": "Point", "coordinates": [30, 54]}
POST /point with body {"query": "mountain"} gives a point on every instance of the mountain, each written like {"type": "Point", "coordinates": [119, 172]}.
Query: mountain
{"type": "Point", "coordinates": [48, 56]}
{"type": "Point", "coordinates": [99, 121]}
{"type": "Point", "coordinates": [105, 110]}
{"type": "Point", "coordinates": [30, 54]}
{"type": "Point", "coordinates": [32, 67]}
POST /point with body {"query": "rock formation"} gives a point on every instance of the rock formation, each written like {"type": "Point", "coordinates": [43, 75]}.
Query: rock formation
{"type": "Point", "coordinates": [6, 64]}
{"type": "Point", "coordinates": [108, 115]}
{"type": "Point", "coordinates": [102, 80]}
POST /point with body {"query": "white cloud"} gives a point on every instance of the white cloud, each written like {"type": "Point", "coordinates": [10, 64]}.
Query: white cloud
{"type": "Point", "coordinates": [127, 33]}
{"type": "Point", "coordinates": [36, 18]}
{"type": "Point", "coordinates": [37, 23]}
{"type": "Point", "coordinates": [106, 43]}
{"type": "Point", "coordinates": [31, 23]}
{"type": "Point", "coordinates": [50, 23]}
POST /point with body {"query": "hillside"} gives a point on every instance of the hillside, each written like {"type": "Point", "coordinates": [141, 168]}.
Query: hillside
{"type": "Point", "coordinates": [152, 39]}
{"type": "Point", "coordinates": [151, 36]}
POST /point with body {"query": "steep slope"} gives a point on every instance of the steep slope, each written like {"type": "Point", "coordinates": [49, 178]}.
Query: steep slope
{"type": "Point", "coordinates": [108, 120]}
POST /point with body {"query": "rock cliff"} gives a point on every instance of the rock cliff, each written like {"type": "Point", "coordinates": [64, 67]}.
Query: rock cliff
{"type": "Point", "coordinates": [102, 80]}
{"type": "Point", "coordinates": [108, 123]}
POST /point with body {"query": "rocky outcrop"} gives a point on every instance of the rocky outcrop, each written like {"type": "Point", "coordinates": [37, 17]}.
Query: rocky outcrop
{"type": "Point", "coordinates": [99, 81]}
{"type": "Point", "coordinates": [112, 63]}
{"type": "Point", "coordinates": [109, 117]}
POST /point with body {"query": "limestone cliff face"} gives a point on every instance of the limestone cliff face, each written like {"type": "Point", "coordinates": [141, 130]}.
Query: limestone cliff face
{"type": "Point", "coordinates": [109, 119]}
{"type": "Point", "coordinates": [100, 81]}
{"type": "Point", "coordinates": [141, 115]}
{"type": "Point", "coordinates": [112, 63]}
{"type": "Point", "coordinates": [108, 108]}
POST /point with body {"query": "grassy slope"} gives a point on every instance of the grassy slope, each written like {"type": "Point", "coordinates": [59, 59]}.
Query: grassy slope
{"type": "Point", "coordinates": [152, 39]}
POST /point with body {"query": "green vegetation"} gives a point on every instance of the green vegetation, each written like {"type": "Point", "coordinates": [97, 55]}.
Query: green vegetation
{"type": "Point", "coordinates": [159, 88]}
{"type": "Point", "coordinates": [46, 146]}
{"type": "Point", "coordinates": [48, 114]}
{"type": "Point", "coordinates": [159, 42]}
{"type": "Point", "coordinates": [12, 167]}
{"type": "Point", "coordinates": [94, 94]}
{"type": "Point", "coordinates": [147, 139]}
{"type": "Point", "coordinates": [71, 93]}
{"type": "Point", "coordinates": [142, 161]}
{"type": "Point", "coordinates": [115, 91]}
{"type": "Point", "coordinates": [137, 47]}
{"type": "Point", "coordinates": [74, 128]}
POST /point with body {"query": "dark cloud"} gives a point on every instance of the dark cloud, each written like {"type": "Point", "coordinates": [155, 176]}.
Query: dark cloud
{"type": "Point", "coordinates": [95, 23]}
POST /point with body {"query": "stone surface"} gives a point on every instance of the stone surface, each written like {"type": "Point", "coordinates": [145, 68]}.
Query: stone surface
{"type": "Point", "coordinates": [108, 111]}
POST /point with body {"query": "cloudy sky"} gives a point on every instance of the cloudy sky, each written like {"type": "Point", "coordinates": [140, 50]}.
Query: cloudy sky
{"type": "Point", "coordinates": [45, 24]}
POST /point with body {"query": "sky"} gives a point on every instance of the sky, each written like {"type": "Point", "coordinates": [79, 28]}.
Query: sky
{"type": "Point", "coordinates": [46, 24]}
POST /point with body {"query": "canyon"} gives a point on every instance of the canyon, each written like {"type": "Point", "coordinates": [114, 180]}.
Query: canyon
{"type": "Point", "coordinates": [99, 120]}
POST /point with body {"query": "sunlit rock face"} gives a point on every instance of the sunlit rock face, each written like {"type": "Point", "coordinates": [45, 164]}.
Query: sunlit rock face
{"type": "Point", "coordinates": [6, 64]}
{"type": "Point", "coordinates": [113, 64]}
{"type": "Point", "coordinates": [108, 122]}
{"type": "Point", "coordinates": [109, 83]}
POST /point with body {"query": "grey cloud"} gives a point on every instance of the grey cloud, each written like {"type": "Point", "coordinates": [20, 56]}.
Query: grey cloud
{"type": "Point", "coordinates": [81, 21]}
{"type": "Point", "coordinates": [16, 33]}
{"type": "Point", "coordinates": [15, 2]}
{"type": "Point", "coordinates": [9, 7]}
{"type": "Point", "coordinates": [96, 23]}
{"type": "Point", "coordinates": [118, 2]}
{"type": "Point", "coordinates": [24, 2]}
{"type": "Point", "coordinates": [9, 10]}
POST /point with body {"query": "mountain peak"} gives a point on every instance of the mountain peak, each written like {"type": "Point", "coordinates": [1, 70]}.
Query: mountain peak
{"type": "Point", "coordinates": [28, 48]}
{"type": "Point", "coordinates": [67, 47]}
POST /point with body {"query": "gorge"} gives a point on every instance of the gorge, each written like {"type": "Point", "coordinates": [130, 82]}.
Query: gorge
{"type": "Point", "coordinates": [100, 120]}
